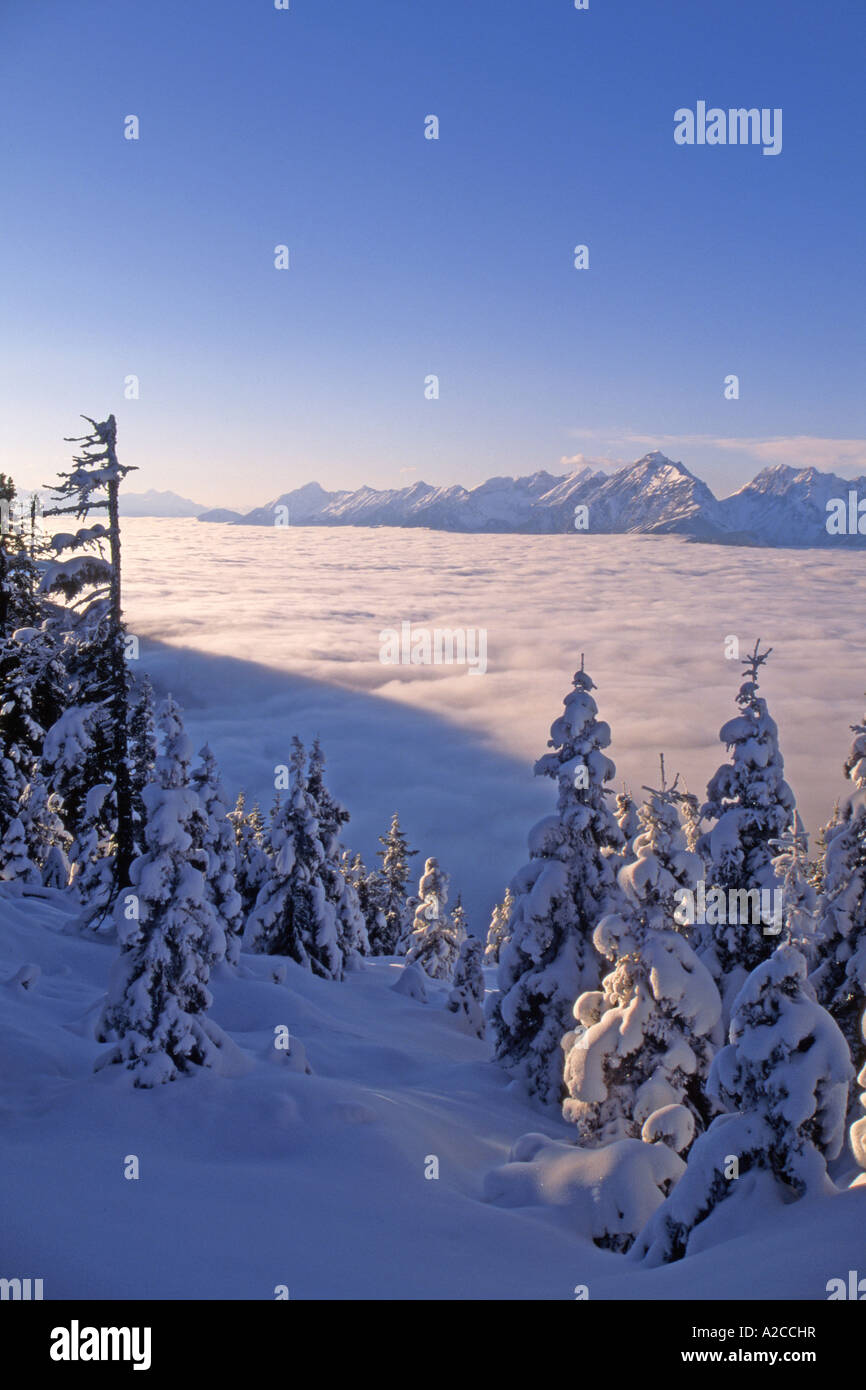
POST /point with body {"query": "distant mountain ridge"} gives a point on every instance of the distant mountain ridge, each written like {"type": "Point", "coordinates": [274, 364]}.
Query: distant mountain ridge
{"type": "Point", "coordinates": [150, 503]}
{"type": "Point", "coordinates": [781, 506]}
{"type": "Point", "coordinates": [155, 503]}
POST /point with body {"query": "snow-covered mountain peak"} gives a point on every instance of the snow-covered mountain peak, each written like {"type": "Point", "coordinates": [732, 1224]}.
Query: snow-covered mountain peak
{"type": "Point", "coordinates": [655, 494]}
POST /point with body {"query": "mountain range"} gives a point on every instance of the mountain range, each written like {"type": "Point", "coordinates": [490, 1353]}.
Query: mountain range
{"type": "Point", "coordinates": [781, 506]}
{"type": "Point", "coordinates": [155, 503]}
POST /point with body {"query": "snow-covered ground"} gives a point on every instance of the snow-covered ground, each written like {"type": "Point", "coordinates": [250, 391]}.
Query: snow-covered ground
{"type": "Point", "coordinates": [316, 1181]}
{"type": "Point", "coordinates": [264, 632]}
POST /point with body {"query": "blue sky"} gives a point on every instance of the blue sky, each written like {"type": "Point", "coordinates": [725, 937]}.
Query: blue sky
{"type": "Point", "coordinates": [409, 257]}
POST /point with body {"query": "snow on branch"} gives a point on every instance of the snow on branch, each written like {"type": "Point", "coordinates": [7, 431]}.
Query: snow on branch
{"type": "Point", "coordinates": [85, 535]}
{"type": "Point", "coordinates": [69, 577]}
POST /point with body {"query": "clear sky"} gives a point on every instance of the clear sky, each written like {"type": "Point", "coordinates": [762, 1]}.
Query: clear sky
{"type": "Point", "coordinates": [409, 256]}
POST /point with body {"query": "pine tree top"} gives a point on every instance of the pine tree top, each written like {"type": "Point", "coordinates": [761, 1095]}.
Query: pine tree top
{"type": "Point", "coordinates": [96, 467]}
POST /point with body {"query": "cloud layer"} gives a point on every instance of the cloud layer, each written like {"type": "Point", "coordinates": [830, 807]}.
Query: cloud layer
{"type": "Point", "coordinates": [300, 612]}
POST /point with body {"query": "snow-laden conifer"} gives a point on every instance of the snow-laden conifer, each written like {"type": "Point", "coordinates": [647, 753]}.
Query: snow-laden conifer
{"type": "Point", "coordinates": [559, 896]}
{"type": "Point", "coordinates": [370, 890]}
{"type": "Point", "coordinates": [293, 915]}
{"type": "Point", "coordinates": [92, 585]}
{"type": "Point", "coordinates": [331, 817]}
{"type": "Point", "coordinates": [499, 931]}
{"type": "Point", "coordinates": [169, 932]}
{"type": "Point", "coordinates": [72, 755]}
{"type": "Point", "coordinates": [16, 866]}
{"type": "Point", "coordinates": [751, 805]}
{"type": "Point", "coordinates": [783, 1082]}
{"type": "Point", "coordinates": [636, 1064]}
{"type": "Point", "coordinates": [436, 938]}
{"type": "Point", "coordinates": [690, 812]}
{"type": "Point", "coordinates": [391, 893]}
{"type": "Point", "coordinates": [467, 993]}
{"type": "Point", "coordinates": [47, 840]}
{"type": "Point", "coordinates": [32, 680]}
{"type": "Point", "coordinates": [19, 600]}
{"type": "Point", "coordinates": [840, 975]}
{"type": "Point", "coordinates": [817, 861]}
{"type": "Point", "coordinates": [626, 815]}
{"type": "Point", "coordinates": [858, 1128]}
{"type": "Point", "coordinates": [252, 863]}
{"type": "Point", "coordinates": [91, 858]}
{"type": "Point", "coordinates": [799, 901]}
{"type": "Point", "coordinates": [143, 751]}
{"type": "Point", "coordinates": [214, 834]}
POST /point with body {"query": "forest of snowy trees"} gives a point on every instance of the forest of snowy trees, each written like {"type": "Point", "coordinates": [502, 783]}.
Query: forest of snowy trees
{"type": "Point", "coordinates": [731, 1035]}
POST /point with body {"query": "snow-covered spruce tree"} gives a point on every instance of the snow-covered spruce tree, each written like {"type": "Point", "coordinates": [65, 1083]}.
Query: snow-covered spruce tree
{"type": "Point", "coordinates": [467, 994]}
{"type": "Point", "coordinates": [798, 924]}
{"type": "Point", "coordinates": [213, 833]}
{"type": "Point", "coordinates": [352, 936]}
{"type": "Point", "coordinates": [31, 674]}
{"type": "Point", "coordinates": [458, 920]}
{"type": "Point", "coordinates": [293, 915]}
{"type": "Point", "coordinates": [627, 816]}
{"type": "Point", "coordinates": [817, 861]}
{"type": "Point", "coordinates": [559, 896]}
{"type": "Point", "coordinates": [499, 931]}
{"type": "Point", "coordinates": [91, 867]}
{"type": "Point", "coordinates": [413, 902]}
{"type": "Point", "coordinates": [7, 539]}
{"type": "Point", "coordinates": [858, 1128]}
{"type": "Point", "coordinates": [637, 1064]}
{"type": "Point", "coordinates": [16, 866]}
{"type": "Point", "coordinates": [783, 1079]}
{"type": "Point", "coordinates": [393, 900]}
{"type": "Point", "coordinates": [95, 584]}
{"type": "Point", "coordinates": [251, 854]}
{"type": "Point", "coordinates": [436, 938]}
{"type": "Point", "coordinates": [690, 811]}
{"type": "Point", "coordinates": [751, 804]}
{"type": "Point", "coordinates": [19, 601]}
{"type": "Point", "coordinates": [369, 888]}
{"type": "Point", "coordinates": [840, 976]}
{"type": "Point", "coordinates": [77, 760]}
{"type": "Point", "coordinates": [169, 933]}
{"type": "Point", "coordinates": [47, 840]}
{"type": "Point", "coordinates": [331, 817]}
{"type": "Point", "coordinates": [32, 682]}
{"type": "Point", "coordinates": [76, 756]}
{"type": "Point", "coordinates": [143, 751]}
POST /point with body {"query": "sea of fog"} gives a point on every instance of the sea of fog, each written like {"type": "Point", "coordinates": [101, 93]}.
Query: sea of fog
{"type": "Point", "coordinates": [266, 632]}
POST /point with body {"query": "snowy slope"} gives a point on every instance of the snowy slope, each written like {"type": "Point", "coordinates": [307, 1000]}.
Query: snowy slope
{"type": "Point", "coordinates": [780, 507]}
{"type": "Point", "coordinates": [275, 1176]}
